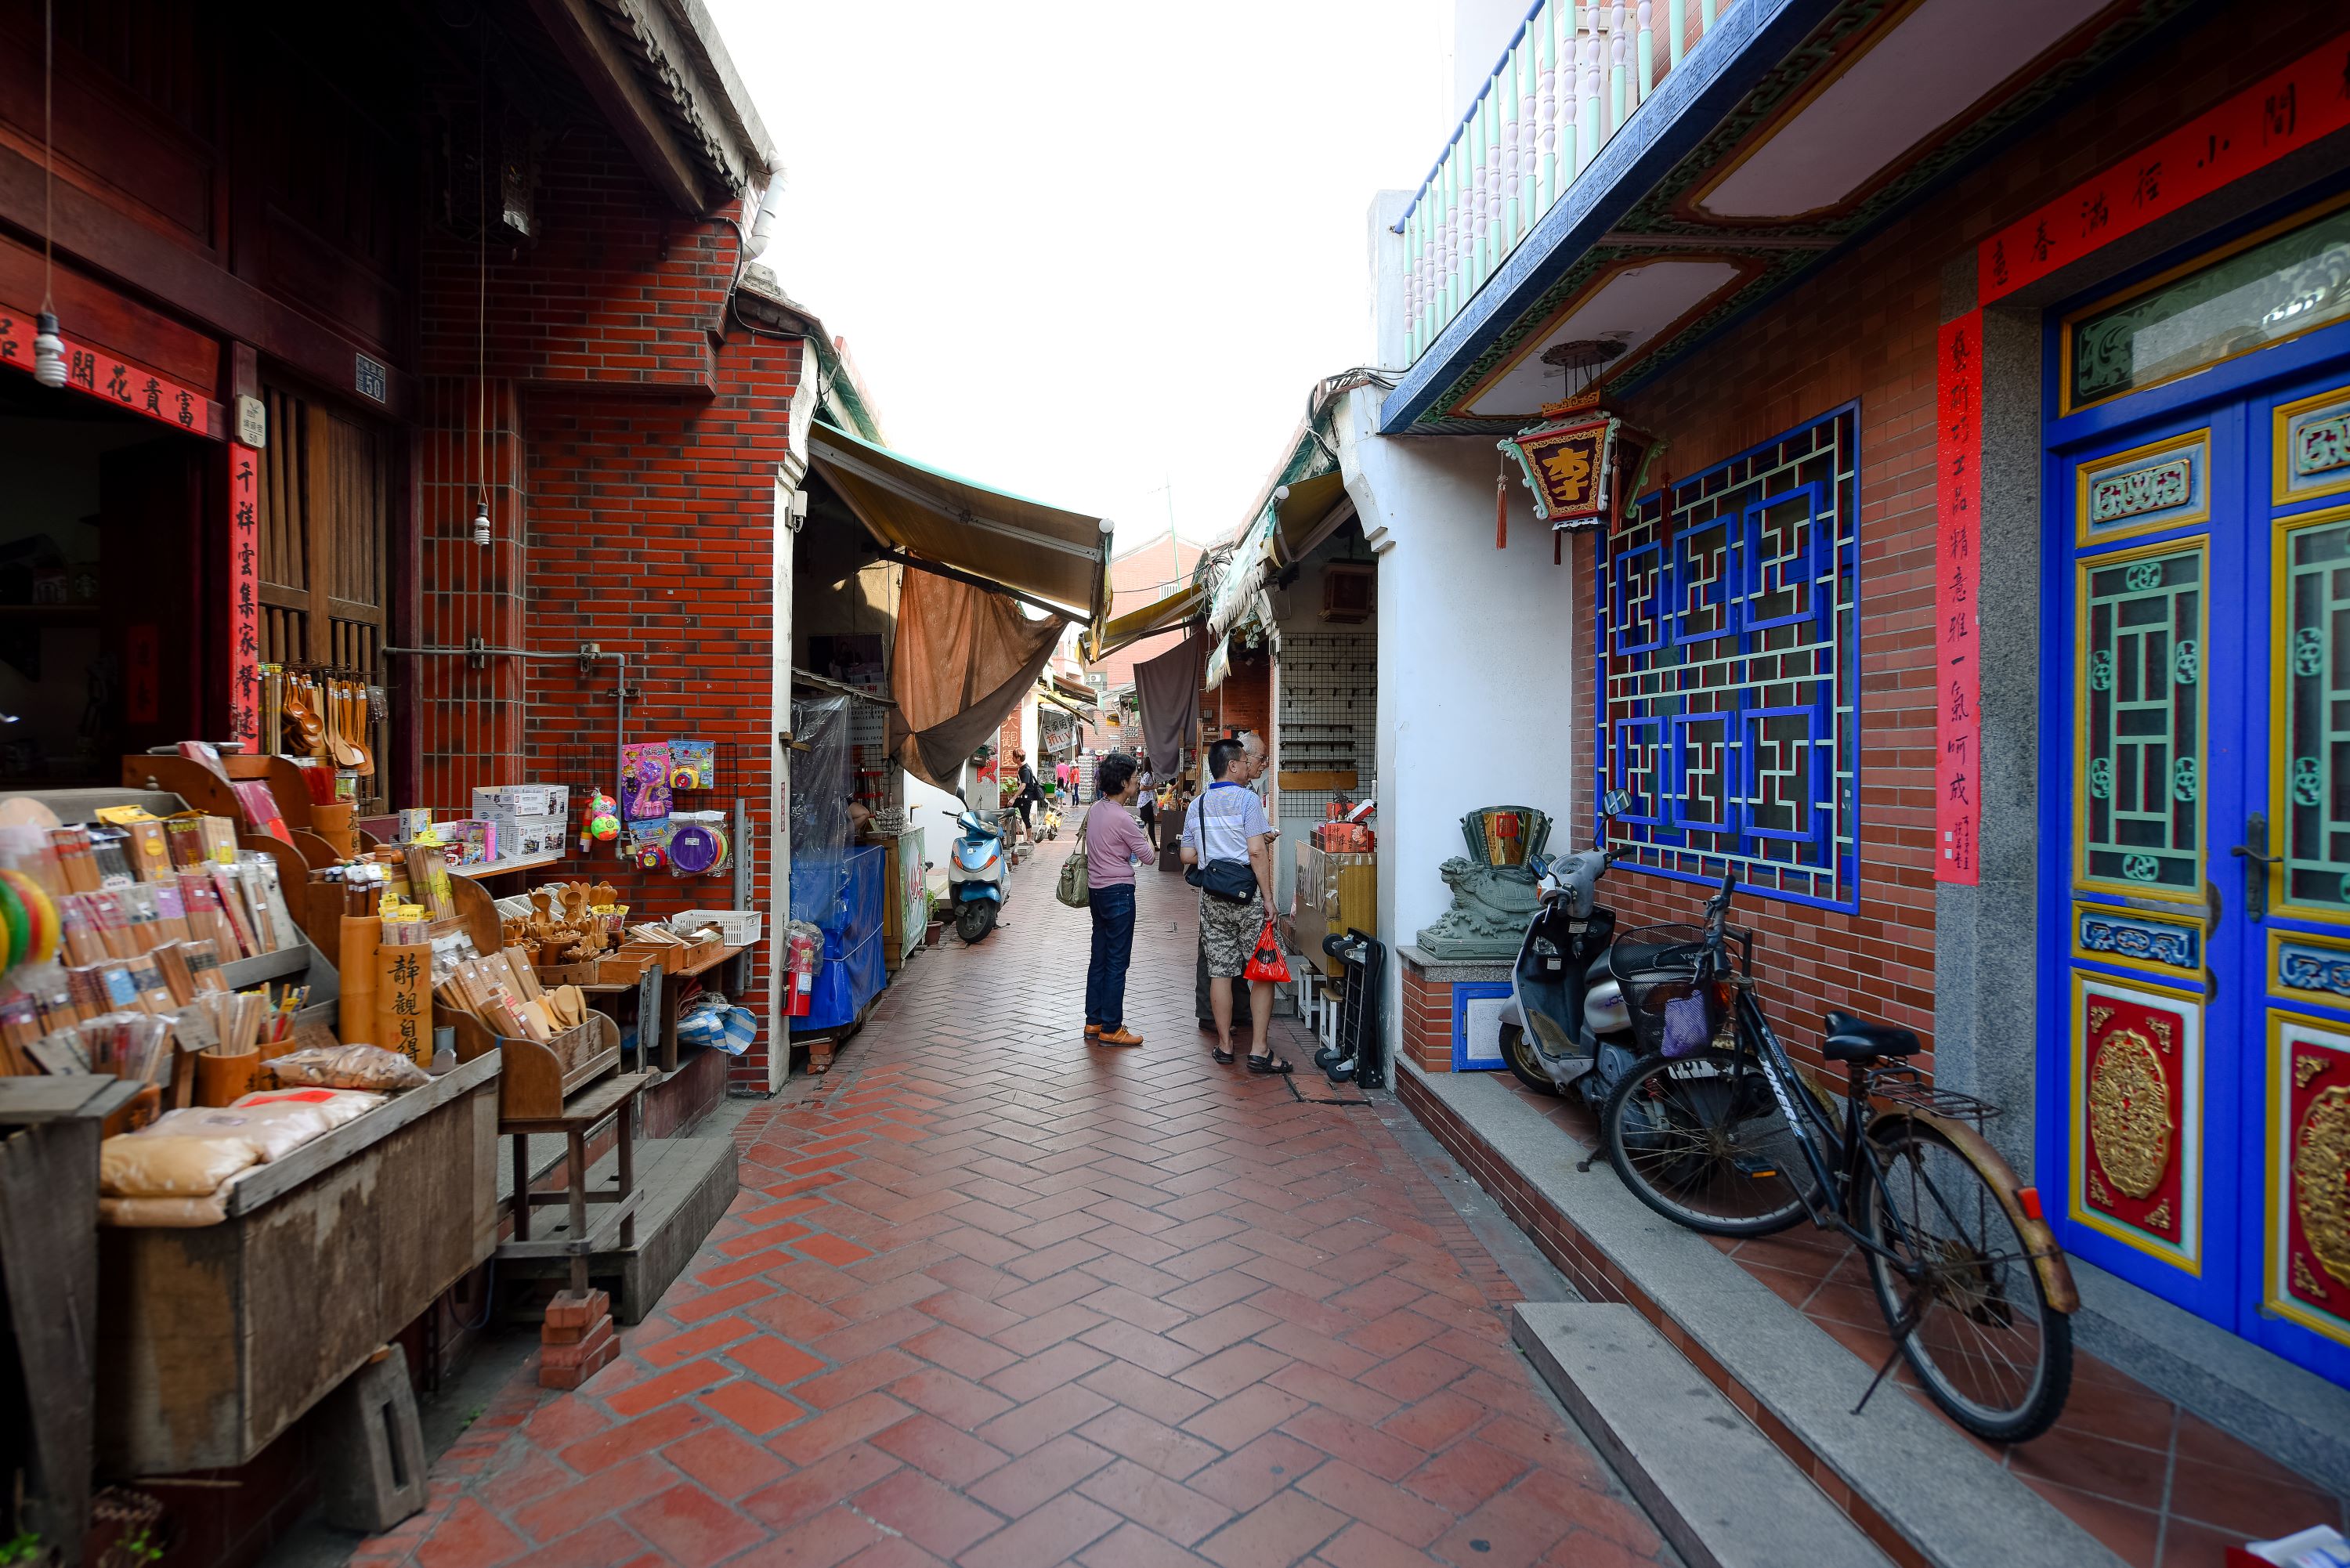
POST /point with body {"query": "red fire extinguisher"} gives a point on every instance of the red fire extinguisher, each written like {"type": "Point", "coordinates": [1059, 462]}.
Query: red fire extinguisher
{"type": "Point", "coordinates": [803, 956]}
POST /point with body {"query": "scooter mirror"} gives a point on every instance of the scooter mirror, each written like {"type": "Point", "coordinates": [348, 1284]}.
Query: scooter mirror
{"type": "Point", "coordinates": [1615, 802]}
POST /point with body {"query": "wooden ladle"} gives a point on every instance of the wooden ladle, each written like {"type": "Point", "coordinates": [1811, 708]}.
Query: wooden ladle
{"type": "Point", "coordinates": [361, 713]}
{"type": "Point", "coordinates": [301, 717]}
{"type": "Point", "coordinates": [339, 719]}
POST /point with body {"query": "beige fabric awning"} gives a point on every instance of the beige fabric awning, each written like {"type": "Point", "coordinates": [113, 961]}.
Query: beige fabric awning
{"type": "Point", "coordinates": [1040, 551]}
{"type": "Point", "coordinates": [1186, 603]}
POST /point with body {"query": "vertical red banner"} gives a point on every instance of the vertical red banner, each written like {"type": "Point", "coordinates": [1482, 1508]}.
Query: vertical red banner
{"type": "Point", "coordinates": [245, 595]}
{"type": "Point", "coordinates": [1958, 670]}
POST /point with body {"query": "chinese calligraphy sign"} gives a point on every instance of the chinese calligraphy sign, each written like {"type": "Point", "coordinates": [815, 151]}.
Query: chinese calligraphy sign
{"type": "Point", "coordinates": [1958, 724]}
{"type": "Point", "coordinates": [2299, 105]}
{"type": "Point", "coordinates": [99, 374]}
{"type": "Point", "coordinates": [1568, 468]}
{"type": "Point", "coordinates": [244, 593]}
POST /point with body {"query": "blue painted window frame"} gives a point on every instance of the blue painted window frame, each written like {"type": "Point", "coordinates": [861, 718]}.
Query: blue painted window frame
{"type": "Point", "coordinates": [1826, 845]}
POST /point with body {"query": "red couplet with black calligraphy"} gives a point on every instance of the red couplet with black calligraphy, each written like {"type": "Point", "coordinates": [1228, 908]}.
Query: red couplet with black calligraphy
{"type": "Point", "coordinates": [245, 592]}
{"type": "Point", "coordinates": [99, 374]}
{"type": "Point", "coordinates": [1957, 727]}
{"type": "Point", "coordinates": [2307, 101]}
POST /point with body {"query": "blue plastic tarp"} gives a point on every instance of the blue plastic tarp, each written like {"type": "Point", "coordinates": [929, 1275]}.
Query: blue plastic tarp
{"type": "Point", "coordinates": [845, 904]}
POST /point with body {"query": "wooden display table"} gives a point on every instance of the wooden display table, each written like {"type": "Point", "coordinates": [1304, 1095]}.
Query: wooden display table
{"type": "Point", "coordinates": [214, 1341]}
{"type": "Point", "coordinates": [583, 1115]}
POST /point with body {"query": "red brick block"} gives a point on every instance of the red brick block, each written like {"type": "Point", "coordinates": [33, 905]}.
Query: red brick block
{"type": "Point", "coordinates": [571, 1315]}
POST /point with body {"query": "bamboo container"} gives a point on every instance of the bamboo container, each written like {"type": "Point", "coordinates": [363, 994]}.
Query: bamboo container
{"type": "Point", "coordinates": [362, 935]}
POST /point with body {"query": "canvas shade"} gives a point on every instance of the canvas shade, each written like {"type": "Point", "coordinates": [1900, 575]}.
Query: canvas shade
{"type": "Point", "coordinates": [1186, 603]}
{"type": "Point", "coordinates": [964, 658]}
{"type": "Point", "coordinates": [1061, 557]}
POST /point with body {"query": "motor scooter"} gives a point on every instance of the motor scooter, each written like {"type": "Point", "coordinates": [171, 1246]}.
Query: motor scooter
{"type": "Point", "coordinates": [1567, 1027]}
{"type": "Point", "coordinates": [978, 873]}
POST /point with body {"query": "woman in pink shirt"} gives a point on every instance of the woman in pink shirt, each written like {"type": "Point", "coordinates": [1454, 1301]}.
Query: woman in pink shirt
{"type": "Point", "coordinates": [1114, 842]}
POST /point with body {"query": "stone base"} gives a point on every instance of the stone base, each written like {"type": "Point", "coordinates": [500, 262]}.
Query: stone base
{"type": "Point", "coordinates": [1425, 1028]}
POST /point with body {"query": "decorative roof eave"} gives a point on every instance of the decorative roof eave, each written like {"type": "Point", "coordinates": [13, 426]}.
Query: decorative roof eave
{"type": "Point", "coordinates": [1630, 202]}
{"type": "Point", "coordinates": [661, 76]}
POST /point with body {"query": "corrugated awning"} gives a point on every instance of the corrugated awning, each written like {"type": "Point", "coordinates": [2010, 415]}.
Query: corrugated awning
{"type": "Point", "coordinates": [1186, 603]}
{"type": "Point", "coordinates": [1041, 552]}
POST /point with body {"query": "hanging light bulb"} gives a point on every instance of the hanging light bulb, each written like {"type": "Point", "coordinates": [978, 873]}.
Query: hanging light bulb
{"type": "Point", "coordinates": [48, 351]}
{"type": "Point", "coordinates": [482, 521]}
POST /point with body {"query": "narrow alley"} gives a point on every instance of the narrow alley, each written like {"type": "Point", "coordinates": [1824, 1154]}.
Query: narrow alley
{"type": "Point", "coordinates": [993, 1297]}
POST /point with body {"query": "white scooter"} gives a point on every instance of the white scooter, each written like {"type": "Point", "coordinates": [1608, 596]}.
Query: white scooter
{"type": "Point", "coordinates": [1566, 1025]}
{"type": "Point", "coordinates": [978, 874]}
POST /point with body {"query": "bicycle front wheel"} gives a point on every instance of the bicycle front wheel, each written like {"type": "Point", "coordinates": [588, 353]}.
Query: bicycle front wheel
{"type": "Point", "coordinates": [1960, 1291]}
{"type": "Point", "coordinates": [1700, 1140]}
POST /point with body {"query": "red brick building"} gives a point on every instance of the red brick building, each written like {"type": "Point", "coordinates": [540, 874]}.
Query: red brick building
{"type": "Point", "coordinates": [1960, 594]}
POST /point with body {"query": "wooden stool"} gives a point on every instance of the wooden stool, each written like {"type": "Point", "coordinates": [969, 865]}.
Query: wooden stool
{"type": "Point", "coordinates": [582, 1117]}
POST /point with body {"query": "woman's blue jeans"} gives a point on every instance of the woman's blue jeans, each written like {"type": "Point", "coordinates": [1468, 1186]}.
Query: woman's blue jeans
{"type": "Point", "coordinates": [1113, 910]}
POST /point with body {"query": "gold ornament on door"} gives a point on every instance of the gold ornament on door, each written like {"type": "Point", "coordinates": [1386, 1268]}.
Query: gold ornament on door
{"type": "Point", "coordinates": [2321, 1179]}
{"type": "Point", "coordinates": [2129, 1113]}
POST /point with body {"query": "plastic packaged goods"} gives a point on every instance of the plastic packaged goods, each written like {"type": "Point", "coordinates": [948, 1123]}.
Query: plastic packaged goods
{"type": "Point", "coordinates": [338, 1105]}
{"type": "Point", "coordinates": [367, 1067]}
{"type": "Point", "coordinates": [275, 1130]}
{"type": "Point", "coordinates": [161, 1213]}
{"type": "Point", "coordinates": [133, 1164]}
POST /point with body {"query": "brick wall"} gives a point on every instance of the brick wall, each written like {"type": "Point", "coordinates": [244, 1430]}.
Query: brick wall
{"type": "Point", "coordinates": [1425, 1030]}
{"type": "Point", "coordinates": [1244, 702]}
{"type": "Point", "coordinates": [633, 458]}
{"type": "Point", "coordinates": [1864, 328]}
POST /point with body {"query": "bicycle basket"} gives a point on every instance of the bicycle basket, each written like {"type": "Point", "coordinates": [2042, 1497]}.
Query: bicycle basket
{"type": "Point", "coordinates": [1656, 967]}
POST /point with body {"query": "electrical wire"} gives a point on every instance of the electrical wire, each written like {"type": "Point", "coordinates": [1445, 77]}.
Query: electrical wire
{"type": "Point", "coordinates": [48, 152]}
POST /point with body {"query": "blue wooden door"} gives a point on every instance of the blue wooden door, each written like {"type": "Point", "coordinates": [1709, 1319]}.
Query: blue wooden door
{"type": "Point", "coordinates": [2195, 1105]}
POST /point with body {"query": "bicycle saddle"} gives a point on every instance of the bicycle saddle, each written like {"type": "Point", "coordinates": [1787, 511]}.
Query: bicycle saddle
{"type": "Point", "coordinates": [1852, 1039]}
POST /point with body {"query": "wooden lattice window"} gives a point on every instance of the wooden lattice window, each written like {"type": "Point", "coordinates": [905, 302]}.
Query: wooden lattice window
{"type": "Point", "coordinates": [326, 509]}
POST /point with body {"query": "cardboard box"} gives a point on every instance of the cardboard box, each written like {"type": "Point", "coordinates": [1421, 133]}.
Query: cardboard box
{"type": "Point", "coordinates": [523, 800]}
{"type": "Point", "coordinates": [522, 836]}
{"type": "Point", "coordinates": [468, 840]}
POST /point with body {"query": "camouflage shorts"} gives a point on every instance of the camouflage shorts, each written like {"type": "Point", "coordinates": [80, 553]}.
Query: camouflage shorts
{"type": "Point", "coordinates": [1228, 931]}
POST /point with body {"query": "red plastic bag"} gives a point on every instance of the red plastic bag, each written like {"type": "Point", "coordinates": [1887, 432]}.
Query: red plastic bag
{"type": "Point", "coordinates": [1266, 963]}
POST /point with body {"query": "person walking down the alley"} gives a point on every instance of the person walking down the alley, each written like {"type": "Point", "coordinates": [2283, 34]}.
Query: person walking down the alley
{"type": "Point", "coordinates": [1228, 843]}
{"type": "Point", "coordinates": [1031, 792]}
{"type": "Point", "coordinates": [1147, 792]}
{"type": "Point", "coordinates": [1114, 842]}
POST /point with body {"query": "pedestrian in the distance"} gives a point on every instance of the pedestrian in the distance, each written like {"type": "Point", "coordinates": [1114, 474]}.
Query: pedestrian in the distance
{"type": "Point", "coordinates": [1228, 840]}
{"type": "Point", "coordinates": [1147, 788]}
{"type": "Point", "coordinates": [1114, 842]}
{"type": "Point", "coordinates": [1031, 792]}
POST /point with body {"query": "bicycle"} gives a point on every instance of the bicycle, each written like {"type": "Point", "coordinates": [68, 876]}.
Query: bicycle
{"type": "Point", "coordinates": [1725, 1137]}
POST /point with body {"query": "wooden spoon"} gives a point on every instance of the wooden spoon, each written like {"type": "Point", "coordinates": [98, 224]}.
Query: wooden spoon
{"type": "Point", "coordinates": [301, 717]}
{"type": "Point", "coordinates": [339, 719]}
{"type": "Point", "coordinates": [361, 713]}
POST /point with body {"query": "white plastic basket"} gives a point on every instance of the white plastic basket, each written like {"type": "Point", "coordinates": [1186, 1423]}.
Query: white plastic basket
{"type": "Point", "coordinates": [737, 927]}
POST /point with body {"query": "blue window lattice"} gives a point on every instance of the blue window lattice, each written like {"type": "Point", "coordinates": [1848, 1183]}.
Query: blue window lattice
{"type": "Point", "coordinates": [1729, 668]}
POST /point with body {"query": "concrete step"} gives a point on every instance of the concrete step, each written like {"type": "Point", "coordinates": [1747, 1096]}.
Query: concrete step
{"type": "Point", "coordinates": [1715, 1484]}
{"type": "Point", "coordinates": [1920, 1489]}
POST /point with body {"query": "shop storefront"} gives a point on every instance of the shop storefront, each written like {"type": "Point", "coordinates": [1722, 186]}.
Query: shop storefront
{"type": "Point", "coordinates": [1976, 609]}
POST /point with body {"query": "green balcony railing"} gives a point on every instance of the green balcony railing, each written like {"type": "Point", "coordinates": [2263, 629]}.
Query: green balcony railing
{"type": "Point", "coordinates": [1575, 72]}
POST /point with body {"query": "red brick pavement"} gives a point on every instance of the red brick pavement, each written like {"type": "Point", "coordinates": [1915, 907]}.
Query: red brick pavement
{"type": "Point", "coordinates": [993, 1297]}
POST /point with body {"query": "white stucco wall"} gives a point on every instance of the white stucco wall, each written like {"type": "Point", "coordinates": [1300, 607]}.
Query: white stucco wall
{"type": "Point", "coordinates": [1480, 660]}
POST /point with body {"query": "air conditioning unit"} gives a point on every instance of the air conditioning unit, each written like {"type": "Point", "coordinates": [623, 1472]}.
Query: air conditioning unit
{"type": "Point", "coordinates": [1349, 591]}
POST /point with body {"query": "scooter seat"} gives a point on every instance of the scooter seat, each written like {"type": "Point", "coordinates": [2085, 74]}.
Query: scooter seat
{"type": "Point", "coordinates": [1852, 1039]}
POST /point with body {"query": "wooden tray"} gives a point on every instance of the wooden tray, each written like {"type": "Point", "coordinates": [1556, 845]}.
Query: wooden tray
{"type": "Point", "coordinates": [536, 1079]}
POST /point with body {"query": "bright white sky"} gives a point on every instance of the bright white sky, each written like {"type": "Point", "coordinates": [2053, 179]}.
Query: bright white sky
{"type": "Point", "coordinates": [1078, 249]}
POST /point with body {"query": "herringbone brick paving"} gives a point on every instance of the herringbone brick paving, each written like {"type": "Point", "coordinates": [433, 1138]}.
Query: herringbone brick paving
{"type": "Point", "coordinates": [992, 1297]}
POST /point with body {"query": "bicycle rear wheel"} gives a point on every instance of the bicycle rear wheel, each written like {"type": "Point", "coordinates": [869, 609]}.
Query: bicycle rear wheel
{"type": "Point", "coordinates": [1700, 1140]}
{"type": "Point", "coordinates": [1980, 1335]}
